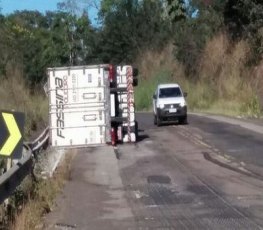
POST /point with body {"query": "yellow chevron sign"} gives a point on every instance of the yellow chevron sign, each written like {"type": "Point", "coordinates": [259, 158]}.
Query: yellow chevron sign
{"type": "Point", "coordinates": [11, 126]}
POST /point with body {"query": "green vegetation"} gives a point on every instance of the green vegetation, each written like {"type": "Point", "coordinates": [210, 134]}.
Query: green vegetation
{"type": "Point", "coordinates": [215, 55]}
{"type": "Point", "coordinates": [213, 48]}
{"type": "Point", "coordinates": [214, 45]}
{"type": "Point", "coordinates": [146, 88]}
{"type": "Point", "coordinates": [223, 82]}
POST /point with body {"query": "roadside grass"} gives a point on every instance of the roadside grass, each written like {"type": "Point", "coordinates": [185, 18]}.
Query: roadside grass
{"type": "Point", "coordinates": [144, 91]}
{"type": "Point", "coordinates": [41, 198]}
{"type": "Point", "coordinates": [15, 95]}
{"type": "Point", "coordinates": [224, 83]}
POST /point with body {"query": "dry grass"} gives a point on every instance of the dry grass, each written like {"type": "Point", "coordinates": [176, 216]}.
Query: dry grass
{"type": "Point", "coordinates": [16, 96]}
{"type": "Point", "coordinates": [152, 61]}
{"type": "Point", "coordinates": [155, 68]}
{"type": "Point", "coordinates": [43, 197]}
{"type": "Point", "coordinates": [223, 69]}
{"type": "Point", "coordinates": [224, 83]}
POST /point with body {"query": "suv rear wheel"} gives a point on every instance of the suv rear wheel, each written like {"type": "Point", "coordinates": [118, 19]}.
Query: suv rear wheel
{"type": "Point", "coordinates": [155, 120]}
{"type": "Point", "coordinates": [158, 121]}
{"type": "Point", "coordinates": [183, 120]}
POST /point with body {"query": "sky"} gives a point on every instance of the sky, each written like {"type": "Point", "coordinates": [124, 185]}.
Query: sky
{"type": "Point", "coordinates": [9, 6]}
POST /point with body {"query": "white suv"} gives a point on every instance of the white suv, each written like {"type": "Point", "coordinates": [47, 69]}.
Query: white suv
{"type": "Point", "coordinates": [169, 104]}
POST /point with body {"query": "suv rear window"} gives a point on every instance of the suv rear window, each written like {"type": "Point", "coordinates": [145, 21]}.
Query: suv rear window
{"type": "Point", "coordinates": [170, 92]}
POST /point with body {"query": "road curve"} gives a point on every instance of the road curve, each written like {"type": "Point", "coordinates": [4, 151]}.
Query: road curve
{"type": "Point", "coordinates": [165, 181]}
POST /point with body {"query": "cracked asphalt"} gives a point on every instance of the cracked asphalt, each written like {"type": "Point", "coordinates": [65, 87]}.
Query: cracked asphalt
{"type": "Point", "coordinates": [204, 175]}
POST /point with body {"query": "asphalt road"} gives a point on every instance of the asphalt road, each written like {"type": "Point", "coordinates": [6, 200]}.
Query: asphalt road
{"type": "Point", "coordinates": [233, 140]}
{"type": "Point", "coordinates": [166, 181]}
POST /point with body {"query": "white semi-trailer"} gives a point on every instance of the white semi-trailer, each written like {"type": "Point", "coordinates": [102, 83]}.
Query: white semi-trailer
{"type": "Point", "coordinates": [92, 105]}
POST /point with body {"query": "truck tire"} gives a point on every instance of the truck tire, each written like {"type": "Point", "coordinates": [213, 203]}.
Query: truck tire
{"type": "Point", "coordinates": [155, 120]}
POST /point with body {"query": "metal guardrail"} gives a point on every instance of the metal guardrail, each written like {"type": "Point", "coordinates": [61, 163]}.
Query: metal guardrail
{"type": "Point", "coordinates": [15, 175]}
{"type": "Point", "coordinates": [39, 142]}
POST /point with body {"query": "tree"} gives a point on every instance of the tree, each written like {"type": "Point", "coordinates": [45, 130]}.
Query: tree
{"type": "Point", "coordinates": [5, 51]}
{"type": "Point", "coordinates": [77, 7]}
{"type": "Point", "coordinates": [79, 29]}
{"type": "Point", "coordinates": [85, 40]}
{"type": "Point", "coordinates": [244, 19]}
{"type": "Point", "coordinates": [204, 19]}
{"type": "Point", "coordinates": [25, 29]}
{"type": "Point", "coordinates": [130, 26]}
{"type": "Point", "coordinates": [176, 10]}
{"type": "Point", "coordinates": [61, 46]}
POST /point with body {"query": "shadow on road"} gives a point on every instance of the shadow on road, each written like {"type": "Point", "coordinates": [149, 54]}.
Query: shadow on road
{"type": "Point", "coordinates": [174, 123]}
{"type": "Point", "coordinates": [141, 135]}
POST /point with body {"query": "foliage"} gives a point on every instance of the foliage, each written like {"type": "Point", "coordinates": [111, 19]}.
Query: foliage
{"type": "Point", "coordinates": [130, 26]}
{"type": "Point", "coordinates": [176, 10]}
{"type": "Point", "coordinates": [37, 41]}
{"type": "Point", "coordinates": [244, 19]}
{"type": "Point", "coordinates": [204, 19]}
{"type": "Point", "coordinates": [224, 84]}
{"type": "Point", "coordinates": [127, 29]}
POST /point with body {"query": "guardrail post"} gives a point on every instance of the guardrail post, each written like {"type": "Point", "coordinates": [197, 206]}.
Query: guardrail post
{"type": "Point", "coordinates": [8, 166]}
{"type": "Point", "coordinates": [15, 170]}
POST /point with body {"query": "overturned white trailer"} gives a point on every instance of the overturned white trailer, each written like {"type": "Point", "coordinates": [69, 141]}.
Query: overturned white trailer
{"type": "Point", "coordinates": [92, 105]}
